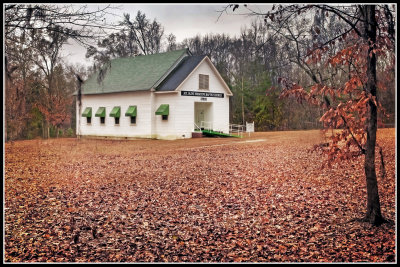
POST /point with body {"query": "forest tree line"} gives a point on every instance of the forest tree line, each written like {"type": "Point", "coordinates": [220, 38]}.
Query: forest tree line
{"type": "Point", "coordinates": [39, 84]}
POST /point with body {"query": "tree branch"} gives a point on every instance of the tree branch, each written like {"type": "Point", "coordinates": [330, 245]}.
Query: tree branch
{"type": "Point", "coordinates": [351, 133]}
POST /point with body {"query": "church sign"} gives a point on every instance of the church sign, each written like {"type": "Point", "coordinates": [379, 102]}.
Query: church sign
{"type": "Point", "coordinates": [202, 94]}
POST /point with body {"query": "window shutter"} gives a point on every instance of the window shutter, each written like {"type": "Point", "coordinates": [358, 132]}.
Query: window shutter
{"type": "Point", "coordinates": [200, 81]}
{"type": "Point", "coordinates": [203, 81]}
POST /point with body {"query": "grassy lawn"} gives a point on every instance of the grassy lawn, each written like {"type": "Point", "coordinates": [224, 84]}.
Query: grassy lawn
{"type": "Point", "coordinates": [262, 198]}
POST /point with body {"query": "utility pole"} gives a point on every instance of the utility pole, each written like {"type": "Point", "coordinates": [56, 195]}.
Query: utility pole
{"type": "Point", "coordinates": [242, 104]}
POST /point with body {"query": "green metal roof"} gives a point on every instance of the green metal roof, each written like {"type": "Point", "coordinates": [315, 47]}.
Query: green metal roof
{"type": "Point", "coordinates": [133, 74]}
{"type": "Point", "coordinates": [163, 109]}
{"type": "Point", "coordinates": [115, 112]}
{"type": "Point", "coordinates": [101, 112]}
{"type": "Point", "coordinates": [132, 111]}
{"type": "Point", "coordinates": [87, 112]}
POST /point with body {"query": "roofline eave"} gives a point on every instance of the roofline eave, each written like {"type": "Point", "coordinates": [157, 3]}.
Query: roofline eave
{"type": "Point", "coordinates": [127, 91]}
{"type": "Point", "coordinates": [176, 63]}
{"type": "Point", "coordinates": [229, 92]}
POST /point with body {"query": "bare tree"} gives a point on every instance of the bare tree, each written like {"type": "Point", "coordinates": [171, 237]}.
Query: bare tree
{"type": "Point", "coordinates": [372, 27]}
{"type": "Point", "coordinates": [73, 21]}
{"type": "Point", "coordinates": [147, 35]}
{"type": "Point", "coordinates": [47, 58]}
{"type": "Point", "coordinates": [171, 42]}
{"type": "Point", "coordinates": [34, 34]}
{"type": "Point", "coordinates": [134, 38]}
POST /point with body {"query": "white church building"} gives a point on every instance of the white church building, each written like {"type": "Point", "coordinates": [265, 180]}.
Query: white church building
{"type": "Point", "coordinates": [163, 96]}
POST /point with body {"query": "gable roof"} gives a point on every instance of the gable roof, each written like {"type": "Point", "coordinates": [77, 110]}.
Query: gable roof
{"type": "Point", "coordinates": [134, 74]}
{"type": "Point", "coordinates": [229, 92]}
{"type": "Point", "coordinates": [186, 66]}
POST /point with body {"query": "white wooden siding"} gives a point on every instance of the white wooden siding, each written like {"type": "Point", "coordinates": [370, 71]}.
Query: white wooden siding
{"type": "Point", "coordinates": [220, 106]}
{"type": "Point", "coordinates": [142, 128]}
{"type": "Point", "coordinates": [180, 123]}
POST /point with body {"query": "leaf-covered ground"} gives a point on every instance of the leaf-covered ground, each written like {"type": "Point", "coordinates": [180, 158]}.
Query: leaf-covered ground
{"type": "Point", "coordinates": [262, 198]}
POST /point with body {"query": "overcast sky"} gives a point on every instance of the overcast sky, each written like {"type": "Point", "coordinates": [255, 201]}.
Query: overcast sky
{"type": "Point", "coordinates": [182, 20]}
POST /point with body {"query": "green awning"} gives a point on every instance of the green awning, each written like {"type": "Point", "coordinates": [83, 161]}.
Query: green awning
{"type": "Point", "coordinates": [87, 112]}
{"type": "Point", "coordinates": [101, 112]}
{"type": "Point", "coordinates": [132, 110]}
{"type": "Point", "coordinates": [163, 109]}
{"type": "Point", "coordinates": [115, 112]}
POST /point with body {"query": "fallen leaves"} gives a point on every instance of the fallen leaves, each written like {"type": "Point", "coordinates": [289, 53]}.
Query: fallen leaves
{"type": "Point", "coordinates": [70, 200]}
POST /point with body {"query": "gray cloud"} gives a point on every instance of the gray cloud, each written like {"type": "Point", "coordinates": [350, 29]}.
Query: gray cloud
{"type": "Point", "coordinates": [182, 20]}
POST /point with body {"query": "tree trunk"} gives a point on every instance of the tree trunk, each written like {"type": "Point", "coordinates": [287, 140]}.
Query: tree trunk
{"type": "Point", "coordinates": [46, 129]}
{"type": "Point", "coordinates": [242, 105]}
{"type": "Point", "coordinates": [5, 129]}
{"type": "Point", "coordinates": [373, 214]}
{"type": "Point", "coordinates": [43, 129]}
